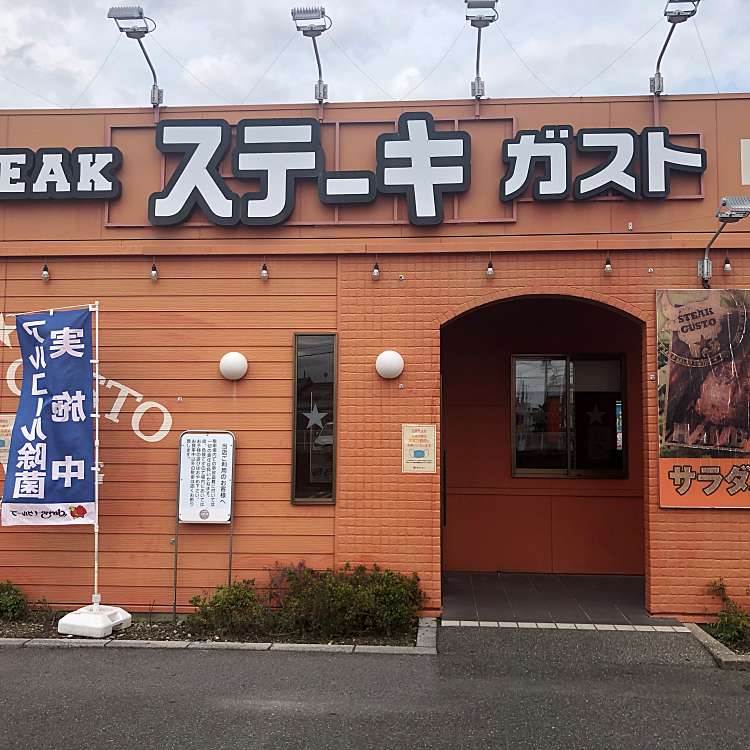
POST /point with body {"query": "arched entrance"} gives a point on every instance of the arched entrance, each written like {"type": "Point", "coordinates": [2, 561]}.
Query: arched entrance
{"type": "Point", "coordinates": [542, 429]}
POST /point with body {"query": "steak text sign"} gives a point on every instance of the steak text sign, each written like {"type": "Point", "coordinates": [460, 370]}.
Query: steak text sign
{"type": "Point", "coordinates": [423, 161]}
{"type": "Point", "coordinates": [50, 476]}
{"type": "Point", "coordinates": [419, 162]}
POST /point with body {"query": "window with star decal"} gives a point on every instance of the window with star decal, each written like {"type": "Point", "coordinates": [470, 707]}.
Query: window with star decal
{"type": "Point", "coordinates": [569, 416]}
{"type": "Point", "coordinates": [314, 429]}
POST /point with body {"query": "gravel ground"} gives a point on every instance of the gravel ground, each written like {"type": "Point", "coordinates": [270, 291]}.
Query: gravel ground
{"type": "Point", "coordinates": [43, 624]}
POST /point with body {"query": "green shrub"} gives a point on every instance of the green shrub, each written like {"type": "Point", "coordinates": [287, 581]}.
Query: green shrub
{"type": "Point", "coordinates": [232, 611]}
{"type": "Point", "coordinates": [346, 603]}
{"type": "Point", "coordinates": [732, 627]}
{"type": "Point", "coordinates": [13, 602]}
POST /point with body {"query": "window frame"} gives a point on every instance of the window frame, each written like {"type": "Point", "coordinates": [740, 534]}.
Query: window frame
{"type": "Point", "coordinates": [314, 500]}
{"type": "Point", "coordinates": [570, 472]}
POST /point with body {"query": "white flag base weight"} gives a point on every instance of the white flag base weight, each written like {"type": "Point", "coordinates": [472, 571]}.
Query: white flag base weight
{"type": "Point", "coordinates": [94, 621]}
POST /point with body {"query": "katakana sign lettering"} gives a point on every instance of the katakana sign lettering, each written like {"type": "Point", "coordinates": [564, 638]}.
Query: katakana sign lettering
{"type": "Point", "coordinates": [704, 400]}
{"type": "Point", "coordinates": [50, 472]}
{"type": "Point", "coordinates": [419, 161]}
{"type": "Point", "coordinates": [423, 164]}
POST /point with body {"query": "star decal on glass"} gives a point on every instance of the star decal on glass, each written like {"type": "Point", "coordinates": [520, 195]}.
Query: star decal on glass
{"type": "Point", "coordinates": [314, 417]}
{"type": "Point", "coordinates": [595, 416]}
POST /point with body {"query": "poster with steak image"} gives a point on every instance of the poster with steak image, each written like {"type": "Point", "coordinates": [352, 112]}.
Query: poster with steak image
{"type": "Point", "coordinates": [704, 398]}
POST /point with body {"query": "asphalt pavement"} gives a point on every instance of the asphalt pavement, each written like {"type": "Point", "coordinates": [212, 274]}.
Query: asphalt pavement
{"type": "Point", "coordinates": [486, 689]}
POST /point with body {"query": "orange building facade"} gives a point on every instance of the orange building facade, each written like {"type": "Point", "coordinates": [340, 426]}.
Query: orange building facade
{"type": "Point", "coordinates": [565, 482]}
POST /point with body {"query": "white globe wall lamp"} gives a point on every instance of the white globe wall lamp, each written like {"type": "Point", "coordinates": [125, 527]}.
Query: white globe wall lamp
{"type": "Point", "coordinates": [233, 366]}
{"type": "Point", "coordinates": [389, 364]}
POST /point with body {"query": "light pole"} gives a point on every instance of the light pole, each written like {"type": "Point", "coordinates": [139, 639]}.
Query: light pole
{"type": "Point", "coordinates": [481, 13]}
{"type": "Point", "coordinates": [676, 12]}
{"type": "Point", "coordinates": [134, 24]}
{"type": "Point", "coordinates": [312, 22]}
{"type": "Point", "coordinates": [732, 210]}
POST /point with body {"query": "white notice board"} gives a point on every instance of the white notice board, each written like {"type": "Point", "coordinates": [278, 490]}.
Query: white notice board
{"type": "Point", "coordinates": [206, 476]}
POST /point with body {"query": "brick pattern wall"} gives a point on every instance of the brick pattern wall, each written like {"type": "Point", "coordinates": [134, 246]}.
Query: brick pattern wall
{"type": "Point", "coordinates": [394, 519]}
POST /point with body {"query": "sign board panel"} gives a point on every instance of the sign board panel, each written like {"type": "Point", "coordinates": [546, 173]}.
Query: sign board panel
{"type": "Point", "coordinates": [704, 400]}
{"type": "Point", "coordinates": [6, 431]}
{"type": "Point", "coordinates": [206, 476]}
{"type": "Point", "coordinates": [418, 446]}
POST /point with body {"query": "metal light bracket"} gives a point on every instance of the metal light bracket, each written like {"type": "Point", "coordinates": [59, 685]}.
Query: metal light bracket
{"type": "Point", "coordinates": [679, 11]}
{"type": "Point", "coordinates": [733, 208]}
{"type": "Point", "coordinates": [657, 84]}
{"type": "Point", "coordinates": [481, 13]}
{"type": "Point", "coordinates": [477, 88]}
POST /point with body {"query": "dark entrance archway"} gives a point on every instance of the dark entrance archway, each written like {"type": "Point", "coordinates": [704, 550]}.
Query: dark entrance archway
{"type": "Point", "coordinates": [542, 429]}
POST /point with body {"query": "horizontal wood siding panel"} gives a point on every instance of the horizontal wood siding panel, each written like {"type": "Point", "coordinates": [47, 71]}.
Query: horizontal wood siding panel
{"type": "Point", "coordinates": [222, 287]}
{"type": "Point", "coordinates": [190, 303]}
{"type": "Point", "coordinates": [216, 561]}
{"type": "Point", "coordinates": [164, 341]}
{"type": "Point", "coordinates": [174, 268]}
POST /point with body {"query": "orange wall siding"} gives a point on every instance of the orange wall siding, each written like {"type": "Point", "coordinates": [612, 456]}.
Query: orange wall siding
{"type": "Point", "coordinates": [164, 340]}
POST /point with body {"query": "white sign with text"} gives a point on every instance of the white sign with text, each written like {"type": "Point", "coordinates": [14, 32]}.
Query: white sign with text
{"type": "Point", "coordinates": [206, 476]}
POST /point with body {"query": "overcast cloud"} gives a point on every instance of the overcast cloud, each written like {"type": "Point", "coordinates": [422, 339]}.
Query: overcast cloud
{"type": "Point", "coordinates": [54, 47]}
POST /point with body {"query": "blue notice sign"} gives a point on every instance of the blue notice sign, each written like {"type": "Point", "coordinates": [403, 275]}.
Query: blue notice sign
{"type": "Point", "coordinates": [51, 476]}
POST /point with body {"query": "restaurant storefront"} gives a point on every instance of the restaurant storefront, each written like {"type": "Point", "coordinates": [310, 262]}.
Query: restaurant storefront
{"type": "Point", "coordinates": [540, 422]}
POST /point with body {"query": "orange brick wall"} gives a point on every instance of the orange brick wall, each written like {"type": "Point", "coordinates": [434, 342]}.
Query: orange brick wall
{"type": "Point", "coordinates": [394, 519]}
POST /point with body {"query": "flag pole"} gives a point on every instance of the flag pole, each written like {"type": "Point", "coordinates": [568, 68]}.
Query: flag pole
{"type": "Point", "coordinates": [96, 598]}
{"type": "Point", "coordinates": [95, 620]}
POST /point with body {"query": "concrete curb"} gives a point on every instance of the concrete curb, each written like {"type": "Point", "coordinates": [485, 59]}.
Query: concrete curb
{"type": "Point", "coordinates": [228, 646]}
{"type": "Point", "coordinates": [723, 656]}
{"type": "Point", "coordinates": [426, 644]}
{"type": "Point", "coordinates": [13, 642]}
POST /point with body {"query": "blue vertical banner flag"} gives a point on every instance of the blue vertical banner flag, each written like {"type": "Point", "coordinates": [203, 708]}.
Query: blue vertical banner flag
{"type": "Point", "coordinates": [51, 476]}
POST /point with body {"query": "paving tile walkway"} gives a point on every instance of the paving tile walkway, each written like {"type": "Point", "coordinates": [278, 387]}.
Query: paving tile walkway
{"type": "Point", "coordinates": [541, 598]}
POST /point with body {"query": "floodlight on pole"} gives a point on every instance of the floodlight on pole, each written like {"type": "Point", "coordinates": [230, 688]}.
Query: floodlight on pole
{"type": "Point", "coordinates": [676, 12]}
{"type": "Point", "coordinates": [732, 209]}
{"type": "Point", "coordinates": [480, 13]}
{"type": "Point", "coordinates": [312, 22]}
{"type": "Point", "coordinates": [132, 22]}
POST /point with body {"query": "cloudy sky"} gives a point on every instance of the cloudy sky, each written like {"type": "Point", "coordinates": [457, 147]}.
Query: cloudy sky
{"type": "Point", "coordinates": [60, 52]}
